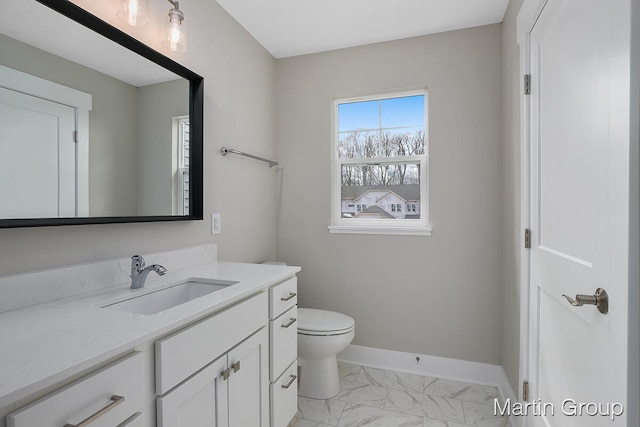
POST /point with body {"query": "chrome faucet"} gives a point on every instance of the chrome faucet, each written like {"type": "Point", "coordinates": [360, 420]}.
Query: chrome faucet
{"type": "Point", "coordinates": [139, 272]}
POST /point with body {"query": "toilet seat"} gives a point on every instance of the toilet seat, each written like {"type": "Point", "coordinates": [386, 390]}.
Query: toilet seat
{"type": "Point", "coordinates": [316, 322]}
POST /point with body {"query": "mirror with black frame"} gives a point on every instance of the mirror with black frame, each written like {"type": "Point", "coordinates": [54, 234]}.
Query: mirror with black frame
{"type": "Point", "coordinates": [95, 127]}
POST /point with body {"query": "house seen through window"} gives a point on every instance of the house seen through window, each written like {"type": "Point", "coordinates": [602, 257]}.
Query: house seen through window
{"type": "Point", "coordinates": [380, 164]}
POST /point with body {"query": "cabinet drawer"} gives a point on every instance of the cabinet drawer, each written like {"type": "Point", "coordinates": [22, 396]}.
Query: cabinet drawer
{"type": "Point", "coordinates": [282, 297]}
{"type": "Point", "coordinates": [284, 342]}
{"type": "Point", "coordinates": [284, 397]}
{"type": "Point", "coordinates": [96, 393]}
{"type": "Point", "coordinates": [183, 353]}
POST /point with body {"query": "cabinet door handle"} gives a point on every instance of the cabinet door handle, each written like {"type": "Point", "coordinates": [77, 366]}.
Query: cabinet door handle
{"type": "Point", "coordinates": [226, 374]}
{"type": "Point", "coordinates": [236, 366]}
{"type": "Point", "coordinates": [115, 401]}
{"type": "Point", "coordinates": [291, 295]}
{"type": "Point", "coordinates": [289, 323]}
{"type": "Point", "coordinates": [287, 385]}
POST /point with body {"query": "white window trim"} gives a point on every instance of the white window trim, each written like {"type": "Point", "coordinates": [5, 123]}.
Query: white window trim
{"type": "Point", "coordinates": [379, 229]}
{"type": "Point", "coordinates": [178, 166]}
{"type": "Point", "coordinates": [401, 227]}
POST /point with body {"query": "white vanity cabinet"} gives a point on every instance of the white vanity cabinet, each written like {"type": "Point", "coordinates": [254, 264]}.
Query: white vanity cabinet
{"type": "Point", "coordinates": [235, 367]}
{"type": "Point", "coordinates": [215, 373]}
{"type": "Point", "coordinates": [283, 335]}
{"type": "Point", "coordinates": [112, 396]}
{"type": "Point", "coordinates": [228, 392]}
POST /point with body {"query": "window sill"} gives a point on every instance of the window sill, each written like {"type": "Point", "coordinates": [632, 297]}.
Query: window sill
{"type": "Point", "coordinates": [397, 231]}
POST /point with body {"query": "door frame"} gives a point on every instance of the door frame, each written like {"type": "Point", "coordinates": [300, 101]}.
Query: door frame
{"type": "Point", "coordinates": [527, 17]}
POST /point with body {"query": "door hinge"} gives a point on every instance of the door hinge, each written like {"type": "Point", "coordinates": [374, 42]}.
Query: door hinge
{"type": "Point", "coordinates": [525, 391]}
{"type": "Point", "coordinates": [75, 136]}
{"type": "Point", "coordinates": [527, 238]}
{"type": "Point", "coordinates": [527, 84]}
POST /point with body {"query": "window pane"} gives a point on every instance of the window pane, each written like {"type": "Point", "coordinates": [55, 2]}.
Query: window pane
{"type": "Point", "coordinates": [184, 143]}
{"type": "Point", "coordinates": [359, 144]}
{"type": "Point", "coordinates": [385, 143]}
{"type": "Point", "coordinates": [185, 196]}
{"type": "Point", "coordinates": [381, 191]}
{"type": "Point", "coordinates": [402, 112]}
{"type": "Point", "coordinates": [381, 174]}
{"type": "Point", "coordinates": [381, 151]}
{"type": "Point", "coordinates": [358, 116]}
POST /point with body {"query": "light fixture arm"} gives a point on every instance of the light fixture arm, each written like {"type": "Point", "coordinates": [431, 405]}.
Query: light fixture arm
{"type": "Point", "coordinates": [175, 14]}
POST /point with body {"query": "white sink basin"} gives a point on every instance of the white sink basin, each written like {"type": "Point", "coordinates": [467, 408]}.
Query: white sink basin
{"type": "Point", "coordinates": [163, 299]}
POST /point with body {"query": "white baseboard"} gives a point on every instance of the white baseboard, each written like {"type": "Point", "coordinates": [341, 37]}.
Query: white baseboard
{"type": "Point", "coordinates": [433, 366]}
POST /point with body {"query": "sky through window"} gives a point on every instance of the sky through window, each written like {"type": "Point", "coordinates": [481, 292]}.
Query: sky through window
{"type": "Point", "coordinates": [382, 114]}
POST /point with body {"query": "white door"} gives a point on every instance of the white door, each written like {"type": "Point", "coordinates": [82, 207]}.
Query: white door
{"type": "Point", "coordinates": [38, 151]}
{"type": "Point", "coordinates": [579, 188]}
{"type": "Point", "coordinates": [249, 382]}
{"type": "Point", "coordinates": [201, 401]}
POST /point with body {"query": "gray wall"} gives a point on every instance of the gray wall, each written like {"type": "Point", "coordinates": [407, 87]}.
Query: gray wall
{"type": "Point", "coordinates": [437, 295]}
{"type": "Point", "coordinates": [443, 293]}
{"type": "Point", "coordinates": [511, 245]}
{"type": "Point", "coordinates": [239, 112]}
{"type": "Point", "coordinates": [158, 104]}
{"type": "Point", "coordinates": [112, 150]}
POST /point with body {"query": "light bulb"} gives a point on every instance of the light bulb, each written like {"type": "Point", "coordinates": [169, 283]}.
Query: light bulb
{"type": "Point", "coordinates": [134, 12]}
{"type": "Point", "coordinates": [175, 34]}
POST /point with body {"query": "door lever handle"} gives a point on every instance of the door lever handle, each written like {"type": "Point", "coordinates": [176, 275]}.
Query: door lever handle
{"type": "Point", "coordinates": [600, 300]}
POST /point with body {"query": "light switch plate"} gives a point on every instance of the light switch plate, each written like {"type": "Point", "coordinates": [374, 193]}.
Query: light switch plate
{"type": "Point", "coordinates": [215, 223]}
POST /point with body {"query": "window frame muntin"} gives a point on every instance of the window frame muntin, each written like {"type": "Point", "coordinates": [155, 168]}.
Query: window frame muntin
{"type": "Point", "coordinates": [370, 225]}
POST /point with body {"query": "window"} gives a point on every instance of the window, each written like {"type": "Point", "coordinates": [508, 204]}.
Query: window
{"type": "Point", "coordinates": [181, 165]}
{"type": "Point", "coordinates": [380, 164]}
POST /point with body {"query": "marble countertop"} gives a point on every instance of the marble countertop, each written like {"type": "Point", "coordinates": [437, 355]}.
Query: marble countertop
{"type": "Point", "coordinates": [43, 344]}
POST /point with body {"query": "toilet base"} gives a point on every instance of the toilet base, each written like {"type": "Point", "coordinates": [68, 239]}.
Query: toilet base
{"type": "Point", "coordinates": [318, 378]}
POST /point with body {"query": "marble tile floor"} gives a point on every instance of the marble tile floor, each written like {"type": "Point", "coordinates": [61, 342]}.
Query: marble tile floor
{"type": "Point", "coordinates": [379, 398]}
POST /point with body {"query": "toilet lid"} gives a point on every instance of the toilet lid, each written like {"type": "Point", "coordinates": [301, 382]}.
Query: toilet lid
{"type": "Point", "coordinates": [312, 320]}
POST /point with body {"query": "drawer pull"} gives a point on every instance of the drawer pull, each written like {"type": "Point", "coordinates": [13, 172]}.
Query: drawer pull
{"type": "Point", "coordinates": [289, 323]}
{"type": "Point", "coordinates": [291, 295]}
{"type": "Point", "coordinates": [236, 366]}
{"type": "Point", "coordinates": [226, 374]}
{"type": "Point", "coordinates": [115, 401]}
{"type": "Point", "coordinates": [287, 385]}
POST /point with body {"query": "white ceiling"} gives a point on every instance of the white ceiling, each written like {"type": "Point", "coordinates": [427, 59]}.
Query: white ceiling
{"type": "Point", "coordinates": [297, 27]}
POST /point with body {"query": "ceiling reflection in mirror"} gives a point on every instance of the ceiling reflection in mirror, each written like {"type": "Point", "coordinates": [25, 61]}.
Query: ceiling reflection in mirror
{"type": "Point", "coordinates": [88, 128]}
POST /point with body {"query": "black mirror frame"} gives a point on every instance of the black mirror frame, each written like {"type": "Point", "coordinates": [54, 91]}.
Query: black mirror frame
{"type": "Point", "coordinates": [196, 113]}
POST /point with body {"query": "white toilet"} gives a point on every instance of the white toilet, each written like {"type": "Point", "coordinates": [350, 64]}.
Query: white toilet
{"type": "Point", "coordinates": [321, 335]}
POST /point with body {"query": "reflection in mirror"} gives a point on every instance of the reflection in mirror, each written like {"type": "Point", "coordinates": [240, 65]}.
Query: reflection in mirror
{"type": "Point", "coordinates": [88, 129]}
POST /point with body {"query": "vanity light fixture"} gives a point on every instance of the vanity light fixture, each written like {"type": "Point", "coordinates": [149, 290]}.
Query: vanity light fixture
{"type": "Point", "coordinates": [134, 12]}
{"type": "Point", "coordinates": [175, 32]}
